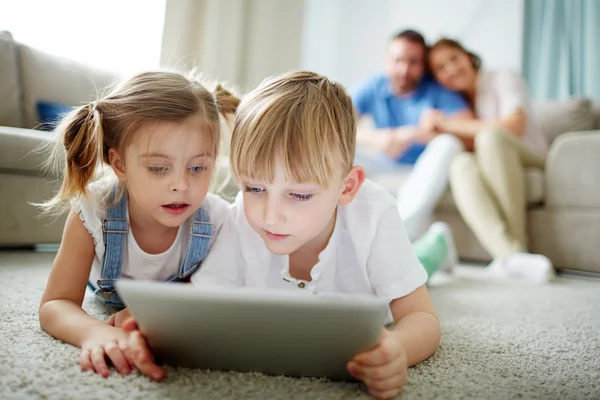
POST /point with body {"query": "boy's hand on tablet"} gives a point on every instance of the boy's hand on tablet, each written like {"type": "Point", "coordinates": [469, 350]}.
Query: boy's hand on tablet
{"type": "Point", "coordinates": [383, 368]}
{"type": "Point", "coordinates": [140, 353]}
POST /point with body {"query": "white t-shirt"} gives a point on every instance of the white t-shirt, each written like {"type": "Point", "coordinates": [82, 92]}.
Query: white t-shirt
{"type": "Point", "coordinates": [137, 264]}
{"type": "Point", "coordinates": [502, 92]}
{"type": "Point", "coordinates": [368, 253]}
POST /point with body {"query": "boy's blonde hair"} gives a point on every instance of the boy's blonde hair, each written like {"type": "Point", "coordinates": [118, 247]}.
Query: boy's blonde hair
{"type": "Point", "coordinates": [86, 134]}
{"type": "Point", "coordinates": [302, 117]}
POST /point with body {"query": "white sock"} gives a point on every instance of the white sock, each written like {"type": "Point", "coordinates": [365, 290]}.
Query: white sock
{"type": "Point", "coordinates": [523, 266]}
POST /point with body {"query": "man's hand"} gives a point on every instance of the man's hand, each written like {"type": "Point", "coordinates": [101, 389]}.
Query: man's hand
{"type": "Point", "coordinates": [431, 120]}
{"type": "Point", "coordinates": [383, 369]}
{"type": "Point", "coordinates": [140, 353]}
{"type": "Point", "coordinates": [398, 140]}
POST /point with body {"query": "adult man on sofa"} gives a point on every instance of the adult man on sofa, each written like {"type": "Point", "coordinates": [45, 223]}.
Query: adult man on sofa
{"type": "Point", "coordinates": [400, 104]}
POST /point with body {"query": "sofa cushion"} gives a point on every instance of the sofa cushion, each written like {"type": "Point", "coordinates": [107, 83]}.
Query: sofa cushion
{"type": "Point", "coordinates": [534, 179]}
{"type": "Point", "coordinates": [596, 113]}
{"type": "Point", "coordinates": [572, 172]}
{"type": "Point", "coordinates": [562, 116]}
{"type": "Point", "coordinates": [45, 77]}
{"type": "Point", "coordinates": [21, 150]}
{"type": "Point", "coordinates": [10, 91]}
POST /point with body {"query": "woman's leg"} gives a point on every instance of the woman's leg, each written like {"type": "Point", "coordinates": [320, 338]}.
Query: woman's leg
{"type": "Point", "coordinates": [502, 159]}
{"type": "Point", "coordinates": [485, 193]}
{"type": "Point", "coordinates": [478, 207]}
{"type": "Point", "coordinates": [427, 183]}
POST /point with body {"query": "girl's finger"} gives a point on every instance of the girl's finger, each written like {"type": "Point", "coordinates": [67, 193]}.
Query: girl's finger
{"type": "Point", "coordinates": [85, 361]}
{"type": "Point", "coordinates": [117, 357]}
{"type": "Point", "coordinates": [124, 346]}
{"type": "Point", "coordinates": [97, 356]}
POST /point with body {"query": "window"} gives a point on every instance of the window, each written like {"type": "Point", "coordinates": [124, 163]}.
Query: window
{"type": "Point", "coordinates": [122, 36]}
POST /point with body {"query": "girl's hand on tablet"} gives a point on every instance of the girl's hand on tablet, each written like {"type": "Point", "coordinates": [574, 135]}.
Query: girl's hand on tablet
{"type": "Point", "coordinates": [105, 342]}
{"type": "Point", "coordinates": [383, 368]}
{"type": "Point", "coordinates": [140, 353]}
{"type": "Point", "coordinates": [117, 319]}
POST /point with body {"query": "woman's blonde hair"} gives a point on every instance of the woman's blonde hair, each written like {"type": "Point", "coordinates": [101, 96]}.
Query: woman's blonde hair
{"type": "Point", "coordinates": [85, 135]}
{"type": "Point", "coordinates": [303, 118]}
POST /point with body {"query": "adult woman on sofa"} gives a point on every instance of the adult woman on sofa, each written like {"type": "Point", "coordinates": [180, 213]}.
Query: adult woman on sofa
{"type": "Point", "coordinates": [489, 184]}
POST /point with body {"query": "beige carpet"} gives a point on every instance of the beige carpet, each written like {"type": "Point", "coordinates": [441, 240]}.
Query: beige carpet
{"type": "Point", "coordinates": [500, 341]}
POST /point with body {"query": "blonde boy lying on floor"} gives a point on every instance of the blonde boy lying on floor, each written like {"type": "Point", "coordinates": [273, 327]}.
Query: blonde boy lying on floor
{"type": "Point", "coordinates": [307, 220]}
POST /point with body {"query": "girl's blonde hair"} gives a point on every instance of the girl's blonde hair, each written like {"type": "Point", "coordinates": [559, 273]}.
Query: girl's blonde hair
{"type": "Point", "coordinates": [85, 135]}
{"type": "Point", "coordinates": [301, 118]}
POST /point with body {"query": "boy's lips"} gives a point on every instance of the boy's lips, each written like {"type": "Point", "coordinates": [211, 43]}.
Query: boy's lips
{"type": "Point", "coordinates": [274, 236]}
{"type": "Point", "coordinates": [176, 208]}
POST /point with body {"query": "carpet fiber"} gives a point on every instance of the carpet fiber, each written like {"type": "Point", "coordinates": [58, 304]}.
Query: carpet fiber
{"type": "Point", "coordinates": [499, 341]}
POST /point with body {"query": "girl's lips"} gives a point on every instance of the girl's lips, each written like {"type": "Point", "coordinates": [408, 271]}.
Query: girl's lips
{"type": "Point", "coordinates": [274, 236]}
{"type": "Point", "coordinates": [176, 208]}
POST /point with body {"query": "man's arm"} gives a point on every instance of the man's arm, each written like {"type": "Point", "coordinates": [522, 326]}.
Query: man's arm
{"type": "Point", "coordinates": [392, 141]}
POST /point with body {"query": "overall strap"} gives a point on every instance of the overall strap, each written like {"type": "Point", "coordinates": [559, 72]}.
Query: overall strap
{"type": "Point", "coordinates": [114, 228]}
{"type": "Point", "coordinates": [202, 231]}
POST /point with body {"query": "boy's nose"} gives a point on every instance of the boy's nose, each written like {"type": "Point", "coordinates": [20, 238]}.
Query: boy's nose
{"type": "Point", "coordinates": [273, 213]}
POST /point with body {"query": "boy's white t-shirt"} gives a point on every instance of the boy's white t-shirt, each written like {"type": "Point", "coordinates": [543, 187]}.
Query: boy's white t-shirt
{"type": "Point", "coordinates": [369, 253]}
{"type": "Point", "coordinates": [137, 264]}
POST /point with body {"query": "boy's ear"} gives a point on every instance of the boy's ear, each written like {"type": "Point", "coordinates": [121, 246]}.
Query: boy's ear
{"type": "Point", "coordinates": [116, 162]}
{"type": "Point", "coordinates": [352, 184]}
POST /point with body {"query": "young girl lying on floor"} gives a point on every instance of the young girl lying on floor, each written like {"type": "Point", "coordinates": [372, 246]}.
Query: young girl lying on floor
{"type": "Point", "coordinates": [158, 133]}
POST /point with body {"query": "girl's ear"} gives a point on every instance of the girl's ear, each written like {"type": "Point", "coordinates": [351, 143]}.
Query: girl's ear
{"type": "Point", "coordinates": [117, 164]}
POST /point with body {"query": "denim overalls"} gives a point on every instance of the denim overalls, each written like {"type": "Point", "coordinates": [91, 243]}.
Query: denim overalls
{"type": "Point", "coordinates": [115, 228]}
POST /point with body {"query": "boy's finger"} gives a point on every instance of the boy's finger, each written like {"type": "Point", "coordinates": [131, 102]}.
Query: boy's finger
{"type": "Point", "coordinates": [97, 357]}
{"type": "Point", "coordinates": [117, 357]}
{"type": "Point", "coordinates": [85, 361]}
{"type": "Point", "coordinates": [386, 351]}
{"type": "Point", "coordinates": [368, 354]}
{"type": "Point", "coordinates": [379, 373]}
{"type": "Point", "coordinates": [385, 395]}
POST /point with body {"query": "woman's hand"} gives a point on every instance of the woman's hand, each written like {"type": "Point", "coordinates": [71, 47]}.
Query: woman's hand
{"type": "Point", "coordinates": [383, 369]}
{"type": "Point", "coordinates": [431, 121]}
{"type": "Point", "coordinates": [102, 343]}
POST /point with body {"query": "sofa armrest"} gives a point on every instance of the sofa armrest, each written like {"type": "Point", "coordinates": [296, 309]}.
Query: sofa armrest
{"type": "Point", "coordinates": [18, 149]}
{"type": "Point", "coordinates": [573, 170]}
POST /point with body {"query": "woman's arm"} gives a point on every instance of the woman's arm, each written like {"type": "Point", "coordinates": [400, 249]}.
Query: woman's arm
{"type": "Point", "coordinates": [515, 123]}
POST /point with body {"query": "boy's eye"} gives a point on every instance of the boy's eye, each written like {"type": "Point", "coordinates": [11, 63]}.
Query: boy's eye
{"type": "Point", "coordinates": [197, 168]}
{"type": "Point", "coordinates": [302, 197]}
{"type": "Point", "coordinates": [253, 189]}
{"type": "Point", "coordinates": [157, 170]}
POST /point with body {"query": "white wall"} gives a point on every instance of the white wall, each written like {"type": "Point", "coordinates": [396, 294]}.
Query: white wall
{"type": "Point", "coordinates": [346, 39]}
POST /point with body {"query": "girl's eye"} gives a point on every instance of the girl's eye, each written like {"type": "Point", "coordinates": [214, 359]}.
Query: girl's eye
{"type": "Point", "coordinates": [252, 189]}
{"type": "Point", "coordinates": [197, 168]}
{"type": "Point", "coordinates": [158, 170]}
{"type": "Point", "coordinates": [302, 197]}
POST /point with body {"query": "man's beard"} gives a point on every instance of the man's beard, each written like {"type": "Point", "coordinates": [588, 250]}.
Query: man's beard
{"type": "Point", "coordinates": [408, 86]}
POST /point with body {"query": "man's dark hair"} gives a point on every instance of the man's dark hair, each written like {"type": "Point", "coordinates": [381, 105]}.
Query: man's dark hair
{"type": "Point", "coordinates": [411, 36]}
